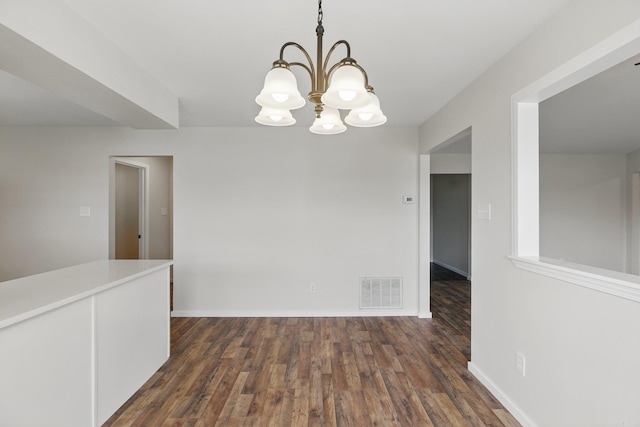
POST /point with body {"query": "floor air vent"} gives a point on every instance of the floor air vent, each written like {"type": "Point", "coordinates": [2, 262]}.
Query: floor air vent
{"type": "Point", "coordinates": [381, 292]}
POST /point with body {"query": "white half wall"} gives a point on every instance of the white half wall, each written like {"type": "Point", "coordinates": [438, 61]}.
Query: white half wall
{"type": "Point", "coordinates": [579, 344]}
{"type": "Point", "coordinates": [259, 214]}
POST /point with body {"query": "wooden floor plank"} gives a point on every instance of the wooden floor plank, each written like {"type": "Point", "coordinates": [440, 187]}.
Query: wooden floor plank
{"type": "Point", "coordinates": [367, 371]}
{"type": "Point", "coordinates": [300, 410]}
{"type": "Point", "coordinates": [506, 418]}
{"type": "Point", "coordinates": [329, 412]}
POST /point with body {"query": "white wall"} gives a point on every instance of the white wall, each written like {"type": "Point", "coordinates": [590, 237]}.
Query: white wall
{"type": "Point", "coordinates": [450, 211]}
{"type": "Point", "coordinates": [259, 214]}
{"type": "Point", "coordinates": [579, 344]}
{"type": "Point", "coordinates": [450, 163]}
{"type": "Point", "coordinates": [583, 209]}
{"type": "Point", "coordinates": [44, 180]}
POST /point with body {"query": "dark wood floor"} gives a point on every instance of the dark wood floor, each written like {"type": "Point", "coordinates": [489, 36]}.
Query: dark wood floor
{"type": "Point", "coordinates": [382, 371]}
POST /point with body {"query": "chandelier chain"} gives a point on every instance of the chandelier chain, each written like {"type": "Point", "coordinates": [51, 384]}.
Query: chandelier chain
{"type": "Point", "coordinates": [320, 13]}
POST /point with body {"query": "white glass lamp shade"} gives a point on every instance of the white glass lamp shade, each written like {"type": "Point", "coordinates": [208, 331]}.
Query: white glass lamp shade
{"type": "Point", "coordinates": [280, 90]}
{"type": "Point", "coordinates": [328, 123]}
{"type": "Point", "coordinates": [275, 117]}
{"type": "Point", "coordinates": [368, 116]}
{"type": "Point", "coordinates": [346, 89]}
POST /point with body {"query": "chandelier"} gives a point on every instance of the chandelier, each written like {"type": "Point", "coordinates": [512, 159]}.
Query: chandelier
{"type": "Point", "coordinates": [342, 86]}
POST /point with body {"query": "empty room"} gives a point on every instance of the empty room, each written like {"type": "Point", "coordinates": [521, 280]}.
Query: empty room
{"type": "Point", "coordinates": [305, 213]}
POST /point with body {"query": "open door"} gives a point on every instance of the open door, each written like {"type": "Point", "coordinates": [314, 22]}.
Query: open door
{"type": "Point", "coordinates": [129, 236]}
{"type": "Point", "coordinates": [127, 200]}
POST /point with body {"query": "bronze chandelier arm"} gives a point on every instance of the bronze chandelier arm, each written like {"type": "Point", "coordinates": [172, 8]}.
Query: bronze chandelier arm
{"type": "Point", "coordinates": [300, 64]}
{"type": "Point", "coordinates": [335, 45]}
{"type": "Point", "coordinates": [310, 69]}
{"type": "Point", "coordinates": [328, 57]}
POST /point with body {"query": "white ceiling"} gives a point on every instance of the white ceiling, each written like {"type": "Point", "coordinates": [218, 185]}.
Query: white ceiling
{"type": "Point", "coordinates": [213, 55]}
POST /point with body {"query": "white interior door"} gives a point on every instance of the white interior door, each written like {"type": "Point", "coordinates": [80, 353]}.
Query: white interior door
{"type": "Point", "coordinates": [128, 237]}
{"type": "Point", "coordinates": [127, 212]}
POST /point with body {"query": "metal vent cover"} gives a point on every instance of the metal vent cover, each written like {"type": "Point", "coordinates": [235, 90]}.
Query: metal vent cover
{"type": "Point", "coordinates": [380, 292]}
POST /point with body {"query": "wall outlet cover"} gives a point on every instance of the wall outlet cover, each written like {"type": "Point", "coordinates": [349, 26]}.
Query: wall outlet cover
{"type": "Point", "coordinates": [520, 363]}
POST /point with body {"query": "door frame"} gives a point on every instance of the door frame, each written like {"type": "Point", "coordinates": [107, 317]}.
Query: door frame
{"type": "Point", "coordinates": [633, 260]}
{"type": "Point", "coordinates": [424, 225]}
{"type": "Point", "coordinates": [143, 204]}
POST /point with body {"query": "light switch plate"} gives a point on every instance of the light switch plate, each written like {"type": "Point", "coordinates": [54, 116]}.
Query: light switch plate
{"type": "Point", "coordinates": [484, 211]}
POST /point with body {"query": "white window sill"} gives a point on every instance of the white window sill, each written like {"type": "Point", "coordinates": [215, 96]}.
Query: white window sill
{"type": "Point", "coordinates": [610, 282]}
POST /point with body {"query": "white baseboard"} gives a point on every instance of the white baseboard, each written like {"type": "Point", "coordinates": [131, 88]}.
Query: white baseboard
{"type": "Point", "coordinates": [426, 315]}
{"type": "Point", "coordinates": [452, 268]}
{"type": "Point", "coordinates": [503, 398]}
{"type": "Point", "coordinates": [359, 313]}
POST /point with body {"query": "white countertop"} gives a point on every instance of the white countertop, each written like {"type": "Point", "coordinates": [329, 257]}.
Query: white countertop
{"type": "Point", "coordinates": [26, 297]}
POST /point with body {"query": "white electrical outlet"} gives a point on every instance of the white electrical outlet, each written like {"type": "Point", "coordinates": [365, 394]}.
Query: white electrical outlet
{"type": "Point", "coordinates": [520, 363]}
{"type": "Point", "coordinates": [313, 288]}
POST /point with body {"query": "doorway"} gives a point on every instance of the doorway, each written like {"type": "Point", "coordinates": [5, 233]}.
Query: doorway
{"type": "Point", "coordinates": [141, 187]}
{"type": "Point", "coordinates": [451, 222]}
{"type": "Point", "coordinates": [450, 204]}
{"type": "Point", "coordinates": [452, 161]}
{"type": "Point", "coordinates": [128, 205]}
